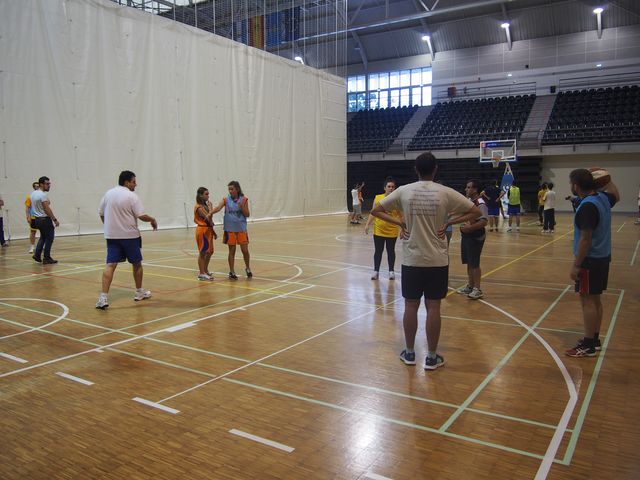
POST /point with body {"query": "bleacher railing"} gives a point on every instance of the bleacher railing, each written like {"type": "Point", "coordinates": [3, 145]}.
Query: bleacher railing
{"type": "Point", "coordinates": [467, 92]}
{"type": "Point", "coordinates": [599, 81]}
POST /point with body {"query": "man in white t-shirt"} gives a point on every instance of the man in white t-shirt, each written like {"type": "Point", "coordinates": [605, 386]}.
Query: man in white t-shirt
{"type": "Point", "coordinates": [355, 203]}
{"type": "Point", "coordinates": [425, 266]}
{"type": "Point", "coordinates": [549, 209]}
{"type": "Point", "coordinates": [120, 210]}
{"type": "Point", "coordinates": [44, 220]}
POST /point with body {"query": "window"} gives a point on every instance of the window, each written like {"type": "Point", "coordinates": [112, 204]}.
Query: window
{"type": "Point", "coordinates": [373, 82]}
{"type": "Point", "coordinates": [405, 78]}
{"type": "Point", "coordinates": [405, 99]}
{"type": "Point", "coordinates": [389, 89]}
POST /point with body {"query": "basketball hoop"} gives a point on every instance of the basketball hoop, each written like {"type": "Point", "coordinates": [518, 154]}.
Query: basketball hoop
{"type": "Point", "coordinates": [496, 158]}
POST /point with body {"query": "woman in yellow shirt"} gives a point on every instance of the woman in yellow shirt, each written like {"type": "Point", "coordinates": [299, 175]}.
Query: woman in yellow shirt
{"type": "Point", "coordinates": [384, 234]}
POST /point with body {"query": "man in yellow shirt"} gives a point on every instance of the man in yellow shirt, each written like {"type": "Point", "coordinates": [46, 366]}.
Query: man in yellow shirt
{"type": "Point", "coordinates": [31, 218]}
{"type": "Point", "coordinates": [513, 195]}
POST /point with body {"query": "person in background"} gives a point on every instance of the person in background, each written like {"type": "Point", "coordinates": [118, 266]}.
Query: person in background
{"type": "Point", "coordinates": [384, 234]}
{"type": "Point", "coordinates": [31, 219]}
{"type": "Point", "coordinates": [3, 242]}
{"type": "Point", "coordinates": [45, 221]}
{"type": "Point", "coordinates": [513, 195]}
{"type": "Point", "coordinates": [541, 192]}
{"type": "Point", "coordinates": [549, 210]}
{"type": "Point", "coordinates": [492, 196]}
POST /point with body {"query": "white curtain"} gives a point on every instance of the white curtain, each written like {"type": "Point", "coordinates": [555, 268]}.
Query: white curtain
{"type": "Point", "coordinates": [89, 88]}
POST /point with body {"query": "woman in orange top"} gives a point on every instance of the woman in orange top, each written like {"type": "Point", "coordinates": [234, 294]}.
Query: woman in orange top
{"type": "Point", "coordinates": [205, 235]}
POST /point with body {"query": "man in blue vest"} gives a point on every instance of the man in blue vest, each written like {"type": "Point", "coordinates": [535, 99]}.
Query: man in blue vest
{"type": "Point", "coordinates": [592, 252]}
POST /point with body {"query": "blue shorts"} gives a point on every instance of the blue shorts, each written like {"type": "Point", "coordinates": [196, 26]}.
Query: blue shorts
{"type": "Point", "coordinates": [121, 249]}
{"type": "Point", "coordinates": [513, 210]}
{"type": "Point", "coordinates": [494, 211]}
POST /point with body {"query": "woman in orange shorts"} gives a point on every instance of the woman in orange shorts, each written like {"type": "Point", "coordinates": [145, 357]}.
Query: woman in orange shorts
{"type": "Point", "coordinates": [205, 235]}
{"type": "Point", "coordinates": [236, 211]}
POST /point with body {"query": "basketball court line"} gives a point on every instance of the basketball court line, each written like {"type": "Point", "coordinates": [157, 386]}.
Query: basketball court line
{"type": "Point", "coordinates": [264, 441]}
{"type": "Point", "coordinates": [375, 476]}
{"type": "Point", "coordinates": [73, 378]}
{"type": "Point", "coordinates": [317, 402]}
{"type": "Point", "coordinates": [294, 372]}
{"type": "Point", "coordinates": [582, 415]}
{"type": "Point", "coordinates": [127, 340]}
{"type": "Point", "coordinates": [65, 312]}
{"type": "Point", "coordinates": [635, 252]}
{"type": "Point", "coordinates": [13, 358]}
{"type": "Point", "coordinates": [623, 224]}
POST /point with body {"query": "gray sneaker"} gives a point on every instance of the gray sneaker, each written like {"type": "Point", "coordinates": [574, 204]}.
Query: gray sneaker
{"type": "Point", "coordinates": [475, 294]}
{"type": "Point", "coordinates": [466, 290]}
{"type": "Point", "coordinates": [433, 363]}
{"type": "Point", "coordinates": [102, 303]}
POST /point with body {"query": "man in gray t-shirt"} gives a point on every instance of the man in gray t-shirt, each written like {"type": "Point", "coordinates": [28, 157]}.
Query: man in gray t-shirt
{"type": "Point", "coordinates": [425, 265]}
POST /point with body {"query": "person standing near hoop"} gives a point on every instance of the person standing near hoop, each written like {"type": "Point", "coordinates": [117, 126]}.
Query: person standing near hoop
{"type": "Point", "coordinates": [492, 196]}
{"type": "Point", "coordinates": [513, 195]}
{"type": "Point", "coordinates": [541, 192]}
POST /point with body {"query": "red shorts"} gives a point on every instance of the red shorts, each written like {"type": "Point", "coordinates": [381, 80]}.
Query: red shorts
{"type": "Point", "coordinates": [204, 239]}
{"type": "Point", "coordinates": [235, 238]}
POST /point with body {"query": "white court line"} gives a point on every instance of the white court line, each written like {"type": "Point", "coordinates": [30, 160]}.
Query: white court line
{"type": "Point", "coordinates": [635, 252]}
{"type": "Point", "coordinates": [155, 405]}
{"type": "Point", "coordinates": [11, 357]}
{"type": "Point", "coordinates": [623, 224]}
{"type": "Point", "coordinates": [74, 378]}
{"type": "Point", "coordinates": [182, 326]}
{"type": "Point", "coordinates": [554, 445]}
{"type": "Point", "coordinates": [375, 476]}
{"type": "Point", "coordinates": [132, 339]}
{"type": "Point", "coordinates": [260, 360]}
{"type": "Point", "coordinates": [262, 440]}
{"type": "Point", "coordinates": [65, 312]}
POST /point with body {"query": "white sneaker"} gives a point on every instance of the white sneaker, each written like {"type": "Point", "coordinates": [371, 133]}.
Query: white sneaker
{"type": "Point", "coordinates": [374, 275]}
{"type": "Point", "coordinates": [475, 294]}
{"type": "Point", "coordinates": [142, 294]}
{"type": "Point", "coordinates": [509, 229]}
{"type": "Point", "coordinates": [204, 277]}
{"type": "Point", "coordinates": [392, 275]}
{"type": "Point", "coordinates": [102, 303]}
{"type": "Point", "coordinates": [466, 290]}
{"type": "Point", "coordinates": [552, 231]}
{"type": "Point", "coordinates": [517, 229]}
{"type": "Point", "coordinates": [545, 231]}
{"type": "Point", "coordinates": [30, 249]}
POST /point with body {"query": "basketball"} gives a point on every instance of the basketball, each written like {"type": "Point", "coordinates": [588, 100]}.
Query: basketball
{"type": "Point", "coordinates": [600, 176]}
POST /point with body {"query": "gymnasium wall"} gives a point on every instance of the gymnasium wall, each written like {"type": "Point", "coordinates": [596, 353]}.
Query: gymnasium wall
{"type": "Point", "coordinates": [89, 88]}
{"type": "Point", "coordinates": [624, 169]}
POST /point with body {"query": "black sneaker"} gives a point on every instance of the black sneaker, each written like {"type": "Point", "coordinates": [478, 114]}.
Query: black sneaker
{"type": "Point", "coordinates": [408, 358]}
{"type": "Point", "coordinates": [49, 261]}
{"type": "Point", "coordinates": [597, 345]}
{"type": "Point", "coordinates": [39, 260]}
{"type": "Point", "coordinates": [433, 363]}
{"type": "Point", "coordinates": [248, 272]}
{"type": "Point", "coordinates": [233, 276]}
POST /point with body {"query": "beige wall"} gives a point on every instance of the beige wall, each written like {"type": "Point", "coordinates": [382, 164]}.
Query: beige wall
{"type": "Point", "coordinates": [623, 167]}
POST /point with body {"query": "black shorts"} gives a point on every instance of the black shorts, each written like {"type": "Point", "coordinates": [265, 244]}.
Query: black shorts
{"type": "Point", "coordinates": [432, 282]}
{"type": "Point", "coordinates": [593, 276]}
{"type": "Point", "coordinates": [470, 249]}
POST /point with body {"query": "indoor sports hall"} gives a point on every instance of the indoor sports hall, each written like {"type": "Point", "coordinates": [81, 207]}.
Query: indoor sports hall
{"type": "Point", "coordinates": [291, 370]}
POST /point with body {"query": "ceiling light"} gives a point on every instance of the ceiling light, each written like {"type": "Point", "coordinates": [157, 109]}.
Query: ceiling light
{"type": "Point", "coordinates": [598, 65]}
{"type": "Point", "coordinates": [509, 74]}
{"type": "Point", "coordinates": [299, 59]}
{"type": "Point", "coordinates": [426, 38]}
{"type": "Point", "coordinates": [505, 25]}
{"type": "Point", "coordinates": [598, 10]}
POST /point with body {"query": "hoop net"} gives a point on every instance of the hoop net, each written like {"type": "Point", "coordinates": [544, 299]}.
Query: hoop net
{"type": "Point", "coordinates": [496, 158]}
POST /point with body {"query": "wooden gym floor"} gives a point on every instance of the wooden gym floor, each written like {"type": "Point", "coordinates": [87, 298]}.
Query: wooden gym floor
{"type": "Point", "coordinates": [295, 373]}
